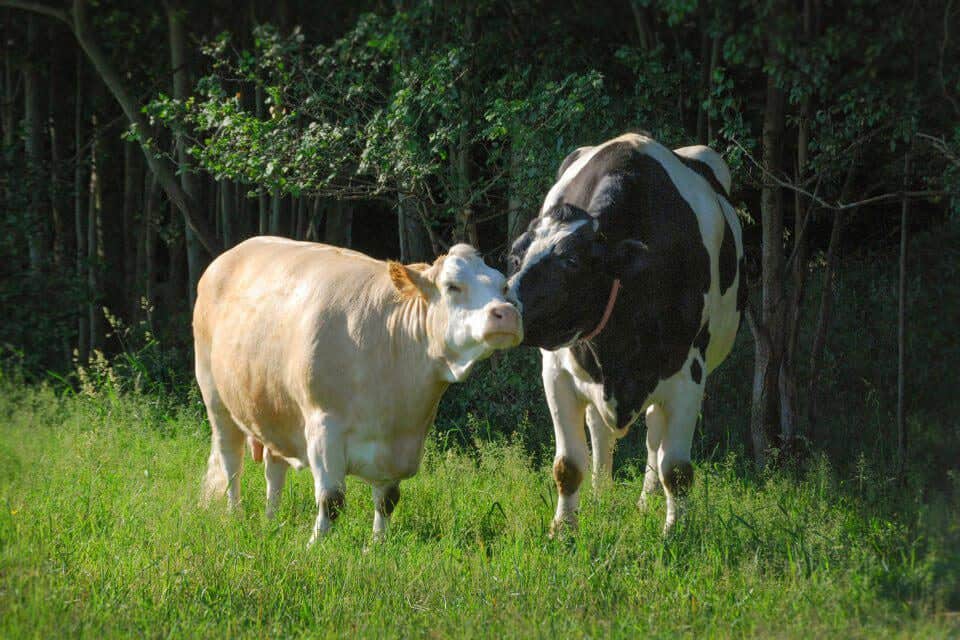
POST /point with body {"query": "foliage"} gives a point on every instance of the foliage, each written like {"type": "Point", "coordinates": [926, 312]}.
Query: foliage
{"type": "Point", "coordinates": [383, 111]}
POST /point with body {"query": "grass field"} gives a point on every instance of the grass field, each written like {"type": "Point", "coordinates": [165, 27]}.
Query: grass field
{"type": "Point", "coordinates": [100, 536]}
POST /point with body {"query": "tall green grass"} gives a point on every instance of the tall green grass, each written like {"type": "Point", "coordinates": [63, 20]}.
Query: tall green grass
{"type": "Point", "coordinates": [100, 535]}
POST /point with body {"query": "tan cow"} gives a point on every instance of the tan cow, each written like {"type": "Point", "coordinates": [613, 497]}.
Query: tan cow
{"type": "Point", "coordinates": [337, 362]}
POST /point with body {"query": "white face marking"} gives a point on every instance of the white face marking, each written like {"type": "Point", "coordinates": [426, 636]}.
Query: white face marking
{"type": "Point", "coordinates": [547, 234]}
{"type": "Point", "coordinates": [468, 287]}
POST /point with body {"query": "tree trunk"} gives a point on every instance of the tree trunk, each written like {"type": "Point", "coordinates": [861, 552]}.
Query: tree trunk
{"type": "Point", "coordinates": [132, 179]}
{"type": "Point", "coordinates": [414, 241]}
{"type": "Point", "coordinates": [300, 220]}
{"type": "Point", "coordinates": [465, 227]}
{"type": "Point", "coordinates": [172, 295]}
{"type": "Point", "coordinates": [339, 223]}
{"type": "Point", "coordinates": [36, 217]}
{"type": "Point", "coordinates": [95, 245]}
{"type": "Point", "coordinates": [789, 398]}
{"type": "Point", "coordinates": [763, 401]}
{"type": "Point", "coordinates": [276, 212]}
{"type": "Point", "coordinates": [241, 212]}
{"type": "Point", "coordinates": [902, 323]}
{"type": "Point", "coordinates": [151, 216]}
{"type": "Point", "coordinates": [823, 323]}
{"type": "Point", "coordinates": [228, 213]}
{"type": "Point", "coordinates": [11, 125]}
{"type": "Point", "coordinates": [768, 334]}
{"type": "Point", "coordinates": [263, 222]}
{"type": "Point", "coordinates": [213, 186]}
{"type": "Point", "coordinates": [641, 18]}
{"type": "Point", "coordinates": [175, 193]}
{"type": "Point", "coordinates": [7, 104]}
{"type": "Point", "coordinates": [517, 217]}
{"type": "Point", "coordinates": [714, 61]}
{"type": "Point", "coordinates": [316, 219]}
{"type": "Point", "coordinates": [80, 214]}
{"type": "Point", "coordinates": [188, 181]}
{"type": "Point", "coordinates": [139, 239]}
{"type": "Point", "coordinates": [705, 53]}
{"type": "Point", "coordinates": [826, 303]}
{"type": "Point", "coordinates": [263, 226]}
{"type": "Point", "coordinates": [56, 127]}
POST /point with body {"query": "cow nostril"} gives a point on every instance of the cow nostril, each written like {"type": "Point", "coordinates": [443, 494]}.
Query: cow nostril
{"type": "Point", "coordinates": [497, 313]}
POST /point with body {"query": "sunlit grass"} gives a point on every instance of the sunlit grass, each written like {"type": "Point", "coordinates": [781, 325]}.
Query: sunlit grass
{"type": "Point", "coordinates": [100, 535]}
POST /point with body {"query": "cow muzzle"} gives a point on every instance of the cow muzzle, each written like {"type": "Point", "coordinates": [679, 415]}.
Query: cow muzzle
{"type": "Point", "coordinates": [503, 328]}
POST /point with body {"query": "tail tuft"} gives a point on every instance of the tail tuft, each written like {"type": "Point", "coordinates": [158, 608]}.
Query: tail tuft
{"type": "Point", "coordinates": [215, 482]}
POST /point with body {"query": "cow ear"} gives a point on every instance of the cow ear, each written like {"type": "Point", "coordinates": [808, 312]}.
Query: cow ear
{"type": "Point", "coordinates": [627, 259]}
{"type": "Point", "coordinates": [410, 280]}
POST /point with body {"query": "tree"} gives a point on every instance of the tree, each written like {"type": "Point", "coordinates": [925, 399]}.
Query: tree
{"type": "Point", "coordinates": [78, 22]}
{"type": "Point", "coordinates": [188, 181]}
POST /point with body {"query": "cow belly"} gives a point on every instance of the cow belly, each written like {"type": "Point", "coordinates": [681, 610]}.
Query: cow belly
{"type": "Point", "coordinates": [385, 460]}
{"type": "Point", "coordinates": [288, 443]}
{"type": "Point", "coordinates": [590, 391]}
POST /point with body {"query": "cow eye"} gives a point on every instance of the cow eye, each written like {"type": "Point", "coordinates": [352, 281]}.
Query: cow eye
{"type": "Point", "coordinates": [570, 262]}
{"type": "Point", "coordinates": [452, 288]}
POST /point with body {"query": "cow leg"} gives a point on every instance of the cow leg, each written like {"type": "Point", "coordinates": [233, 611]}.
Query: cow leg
{"type": "Point", "coordinates": [326, 452]}
{"type": "Point", "coordinates": [656, 426]}
{"type": "Point", "coordinates": [275, 470]}
{"type": "Point", "coordinates": [385, 499]}
{"type": "Point", "coordinates": [567, 413]}
{"type": "Point", "coordinates": [602, 441]}
{"type": "Point", "coordinates": [226, 454]}
{"type": "Point", "coordinates": [673, 461]}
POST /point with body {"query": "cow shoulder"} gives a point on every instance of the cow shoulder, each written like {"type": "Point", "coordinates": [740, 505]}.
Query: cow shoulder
{"type": "Point", "coordinates": [709, 165]}
{"type": "Point", "coordinates": [606, 160]}
{"type": "Point", "coordinates": [572, 157]}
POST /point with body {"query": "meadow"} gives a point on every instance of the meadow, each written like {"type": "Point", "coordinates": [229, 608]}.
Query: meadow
{"type": "Point", "coordinates": [101, 535]}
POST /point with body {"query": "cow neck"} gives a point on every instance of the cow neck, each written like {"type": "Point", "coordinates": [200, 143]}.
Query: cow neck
{"type": "Point", "coordinates": [410, 334]}
{"type": "Point", "coordinates": [607, 312]}
{"type": "Point", "coordinates": [422, 328]}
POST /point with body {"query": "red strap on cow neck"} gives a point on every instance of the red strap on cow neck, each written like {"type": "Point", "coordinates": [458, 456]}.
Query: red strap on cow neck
{"type": "Point", "coordinates": [614, 290]}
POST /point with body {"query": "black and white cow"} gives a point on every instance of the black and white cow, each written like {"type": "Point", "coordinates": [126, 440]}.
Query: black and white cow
{"type": "Point", "coordinates": [631, 283]}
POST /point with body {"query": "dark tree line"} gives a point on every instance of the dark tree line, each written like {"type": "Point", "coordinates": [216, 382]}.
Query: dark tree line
{"type": "Point", "coordinates": [141, 140]}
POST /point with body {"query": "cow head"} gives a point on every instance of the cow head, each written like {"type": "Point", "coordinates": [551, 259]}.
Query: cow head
{"type": "Point", "coordinates": [470, 311]}
{"type": "Point", "coordinates": [562, 269]}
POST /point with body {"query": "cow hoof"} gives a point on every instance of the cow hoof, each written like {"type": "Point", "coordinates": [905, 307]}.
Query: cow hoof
{"type": "Point", "coordinates": [670, 526]}
{"type": "Point", "coordinates": [318, 536]}
{"type": "Point", "coordinates": [566, 526]}
{"type": "Point", "coordinates": [643, 504]}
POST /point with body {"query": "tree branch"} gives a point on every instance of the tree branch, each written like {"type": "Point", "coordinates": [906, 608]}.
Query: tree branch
{"type": "Point", "coordinates": [941, 145]}
{"type": "Point", "coordinates": [895, 195]}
